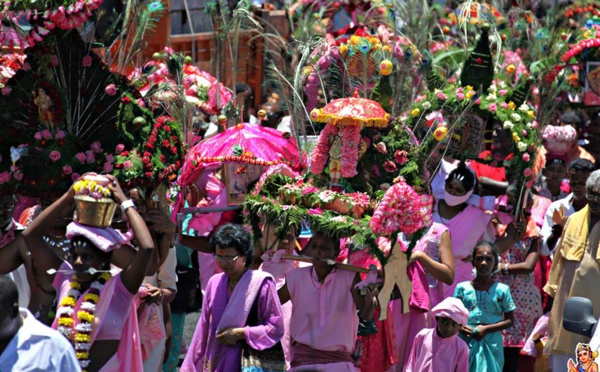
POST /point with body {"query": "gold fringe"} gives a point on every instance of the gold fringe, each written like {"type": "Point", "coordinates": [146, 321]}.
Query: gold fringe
{"type": "Point", "coordinates": [319, 116]}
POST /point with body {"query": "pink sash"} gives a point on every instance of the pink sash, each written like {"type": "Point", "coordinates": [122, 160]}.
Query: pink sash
{"type": "Point", "coordinates": [241, 301]}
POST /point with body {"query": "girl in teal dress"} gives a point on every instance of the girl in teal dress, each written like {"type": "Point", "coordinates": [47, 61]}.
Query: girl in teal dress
{"type": "Point", "coordinates": [490, 308]}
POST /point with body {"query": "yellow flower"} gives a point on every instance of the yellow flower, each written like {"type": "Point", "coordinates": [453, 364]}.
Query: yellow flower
{"type": "Point", "coordinates": [105, 276]}
{"type": "Point", "coordinates": [74, 285]}
{"type": "Point", "coordinates": [354, 40]}
{"type": "Point", "coordinates": [468, 88]}
{"type": "Point", "coordinates": [82, 355]}
{"type": "Point", "coordinates": [469, 94]}
{"type": "Point", "coordinates": [80, 337]}
{"type": "Point", "coordinates": [343, 49]}
{"type": "Point", "coordinates": [415, 112]}
{"type": "Point", "coordinates": [68, 301]}
{"type": "Point", "coordinates": [516, 137]}
{"type": "Point", "coordinates": [587, 34]}
{"type": "Point", "coordinates": [92, 298]}
{"type": "Point", "coordinates": [530, 113]}
{"type": "Point", "coordinates": [309, 69]}
{"type": "Point", "coordinates": [85, 316]}
{"type": "Point", "coordinates": [64, 321]}
{"type": "Point", "coordinates": [510, 68]}
{"type": "Point", "coordinates": [387, 48]}
{"type": "Point", "coordinates": [511, 105]}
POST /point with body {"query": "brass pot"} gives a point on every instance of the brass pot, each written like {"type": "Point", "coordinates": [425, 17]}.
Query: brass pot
{"type": "Point", "coordinates": [94, 212]}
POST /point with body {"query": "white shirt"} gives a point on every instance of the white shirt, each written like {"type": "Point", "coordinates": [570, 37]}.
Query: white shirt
{"type": "Point", "coordinates": [37, 347]}
{"type": "Point", "coordinates": [567, 205]}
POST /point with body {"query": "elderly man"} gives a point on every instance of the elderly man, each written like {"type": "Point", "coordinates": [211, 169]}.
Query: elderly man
{"type": "Point", "coordinates": [25, 343]}
{"type": "Point", "coordinates": [575, 272]}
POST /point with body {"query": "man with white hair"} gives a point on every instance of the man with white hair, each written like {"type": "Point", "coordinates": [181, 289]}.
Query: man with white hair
{"type": "Point", "coordinates": [575, 272]}
{"type": "Point", "coordinates": [25, 343]}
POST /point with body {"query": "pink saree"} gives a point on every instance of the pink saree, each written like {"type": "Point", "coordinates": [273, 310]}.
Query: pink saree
{"type": "Point", "coordinates": [223, 310]}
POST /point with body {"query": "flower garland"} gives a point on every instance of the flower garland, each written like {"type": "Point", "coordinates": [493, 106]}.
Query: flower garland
{"type": "Point", "coordinates": [79, 332]}
{"type": "Point", "coordinates": [350, 139]}
{"type": "Point", "coordinates": [91, 188]}
{"type": "Point", "coordinates": [320, 154]}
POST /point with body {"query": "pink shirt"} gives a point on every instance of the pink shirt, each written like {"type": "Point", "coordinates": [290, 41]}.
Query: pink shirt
{"type": "Point", "coordinates": [324, 315]}
{"type": "Point", "coordinates": [431, 353]}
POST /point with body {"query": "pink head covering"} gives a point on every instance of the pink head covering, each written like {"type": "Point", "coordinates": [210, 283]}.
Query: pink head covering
{"type": "Point", "coordinates": [105, 239]}
{"type": "Point", "coordinates": [452, 308]}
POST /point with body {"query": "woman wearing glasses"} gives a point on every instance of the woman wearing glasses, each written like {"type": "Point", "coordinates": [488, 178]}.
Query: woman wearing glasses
{"type": "Point", "coordinates": [240, 307]}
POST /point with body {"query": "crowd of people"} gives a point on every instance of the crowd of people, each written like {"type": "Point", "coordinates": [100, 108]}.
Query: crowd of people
{"type": "Point", "coordinates": [480, 244]}
{"type": "Point", "coordinates": [497, 286]}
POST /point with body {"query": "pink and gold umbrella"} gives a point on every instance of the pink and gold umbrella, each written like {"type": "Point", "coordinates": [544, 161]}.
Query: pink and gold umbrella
{"type": "Point", "coordinates": [475, 13]}
{"type": "Point", "coordinates": [243, 143]}
{"type": "Point", "coordinates": [352, 111]}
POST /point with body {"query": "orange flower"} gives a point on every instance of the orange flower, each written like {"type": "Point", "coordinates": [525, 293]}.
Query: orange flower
{"type": "Point", "coordinates": [248, 154]}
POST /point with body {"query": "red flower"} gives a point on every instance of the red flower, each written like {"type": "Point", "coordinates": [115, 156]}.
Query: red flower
{"type": "Point", "coordinates": [125, 153]}
{"type": "Point", "coordinates": [390, 166]}
{"type": "Point", "coordinates": [145, 160]}
{"type": "Point", "coordinates": [150, 145]}
{"type": "Point", "coordinates": [118, 165]}
{"type": "Point", "coordinates": [163, 158]}
{"type": "Point", "coordinates": [166, 143]}
{"type": "Point", "coordinates": [167, 128]}
{"type": "Point", "coordinates": [147, 154]}
{"type": "Point", "coordinates": [401, 157]}
{"type": "Point", "coordinates": [126, 100]}
{"type": "Point", "coordinates": [148, 174]}
{"type": "Point", "coordinates": [173, 150]}
{"type": "Point", "coordinates": [177, 164]}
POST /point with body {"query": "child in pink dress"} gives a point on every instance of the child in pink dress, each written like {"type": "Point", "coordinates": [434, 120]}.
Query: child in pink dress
{"type": "Point", "coordinates": [440, 348]}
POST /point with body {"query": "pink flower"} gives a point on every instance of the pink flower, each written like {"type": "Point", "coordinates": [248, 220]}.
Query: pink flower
{"type": "Point", "coordinates": [315, 211]}
{"type": "Point", "coordinates": [54, 155]}
{"type": "Point", "coordinates": [527, 172]}
{"type": "Point", "coordinates": [110, 89]}
{"type": "Point", "coordinates": [119, 149]}
{"type": "Point", "coordinates": [37, 135]}
{"type": "Point", "coordinates": [526, 157]}
{"type": "Point", "coordinates": [54, 61]}
{"type": "Point", "coordinates": [441, 96]}
{"type": "Point", "coordinates": [4, 177]}
{"type": "Point", "coordinates": [18, 176]}
{"type": "Point", "coordinates": [90, 157]}
{"type": "Point", "coordinates": [504, 105]}
{"type": "Point", "coordinates": [381, 147]}
{"type": "Point", "coordinates": [401, 157]}
{"type": "Point", "coordinates": [376, 171]}
{"type": "Point", "coordinates": [390, 166]}
{"type": "Point", "coordinates": [6, 90]}
{"type": "Point", "coordinates": [67, 169]}
{"type": "Point", "coordinates": [108, 167]}
{"type": "Point", "coordinates": [75, 176]}
{"type": "Point", "coordinates": [141, 102]}
{"type": "Point", "coordinates": [127, 164]}
{"type": "Point", "coordinates": [460, 96]}
{"type": "Point", "coordinates": [493, 107]}
{"type": "Point", "coordinates": [96, 147]}
{"type": "Point", "coordinates": [110, 159]}
{"type": "Point", "coordinates": [80, 157]}
{"type": "Point", "coordinates": [46, 134]}
{"type": "Point", "coordinates": [502, 92]}
{"type": "Point", "coordinates": [529, 184]}
{"type": "Point", "coordinates": [535, 124]}
{"type": "Point", "coordinates": [60, 134]}
{"type": "Point", "coordinates": [459, 90]}
{"type": "Point", "coordinates": [478, 101]}
{"type": "Point", "coordinates": [87, 61]}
